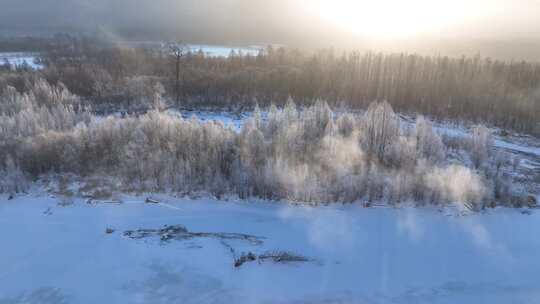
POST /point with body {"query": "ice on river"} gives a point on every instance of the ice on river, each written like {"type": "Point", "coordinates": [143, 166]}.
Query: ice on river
{"type": "Point", "coordinates": [52, 253]}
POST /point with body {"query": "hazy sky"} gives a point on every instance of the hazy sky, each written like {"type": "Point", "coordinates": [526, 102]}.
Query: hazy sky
{"type": "Point", "coordinates": [339, 23]}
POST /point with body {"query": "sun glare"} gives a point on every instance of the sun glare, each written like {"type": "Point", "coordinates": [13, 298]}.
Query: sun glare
{"type": "Point", "coordinates": [395, 18]}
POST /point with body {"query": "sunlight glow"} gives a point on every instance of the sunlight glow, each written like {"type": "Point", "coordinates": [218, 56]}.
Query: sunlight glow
{"type": "Point", "coordinates": [397, 18]}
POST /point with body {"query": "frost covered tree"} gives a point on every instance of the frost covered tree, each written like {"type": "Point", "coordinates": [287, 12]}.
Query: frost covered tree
{"type": "Point", "coordinates": [308, 154]}
{"type": "Point", "coordinates": [480, 145]}
{"type": "Point", "coordinates": [317, 121]}
{"type": "Point", "coordinates": [346, 125]}
{"type": "Point", "coordinates": [456, 184]}
{"type": "Point", "coordinates": [428, 143]}
{"type": "Point", "coordinates": [290, 113]}
{"type": "Point", "coordinates": [380, 127]}
{"type": "Point", "coordinates": [158, 103]}
{"type": "Point", "coordinates": [12, 179]}
{"type": "Point", "coordinates": [275, 121]}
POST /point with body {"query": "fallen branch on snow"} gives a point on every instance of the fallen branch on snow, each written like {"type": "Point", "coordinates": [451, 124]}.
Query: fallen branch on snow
{"type": "Point", "coordinates": [151, 201]}
{"type": "Point", "coordinates": [96, 202]}
{"type": "Point", "coordinates": [274, 256]}
{"type": "Point", "coordinates": [179, 232]}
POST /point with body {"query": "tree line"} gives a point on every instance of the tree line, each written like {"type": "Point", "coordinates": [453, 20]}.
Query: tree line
{"type": "Point", "coordinates": [307, 154]}
{"type": "Point", "coordinates": [481, 90]}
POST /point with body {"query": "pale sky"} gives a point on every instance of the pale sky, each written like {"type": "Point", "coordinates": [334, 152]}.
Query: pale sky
{"type": "Point", "coordinates": [311, 22]}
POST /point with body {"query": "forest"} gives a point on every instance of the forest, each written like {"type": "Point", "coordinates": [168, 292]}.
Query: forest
{"type": "Point", "coordinates": [307, 154]}
{"type": "Point", "coordinates": [307, 148]}
{"type": "Point", "coordinates": [108, 75]}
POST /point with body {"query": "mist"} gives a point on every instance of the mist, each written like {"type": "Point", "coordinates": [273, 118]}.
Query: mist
{"type": "Point", "coordinates": [231, 21]}
{"type": "Point", "coordinates": [504, 30]}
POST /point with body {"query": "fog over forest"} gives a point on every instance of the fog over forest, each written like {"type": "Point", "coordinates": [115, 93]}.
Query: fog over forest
{"type": "Point", "coordinates": [502, 29]}
{"type": "Point", "coordinates": [269, 151]}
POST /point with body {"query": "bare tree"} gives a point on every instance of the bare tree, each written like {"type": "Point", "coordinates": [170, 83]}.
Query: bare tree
{"type": "Point", "coordinates": [178, 51]}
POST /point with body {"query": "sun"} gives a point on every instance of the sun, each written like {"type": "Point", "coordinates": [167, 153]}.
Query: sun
{"type": "Point", "coordinates": [395, 18]}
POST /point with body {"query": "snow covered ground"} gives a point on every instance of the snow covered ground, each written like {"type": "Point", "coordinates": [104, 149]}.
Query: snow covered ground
{"type": "Point", "coordinates": [514, 144]}
{"type": "Point", "coordinates": [231, 119]}
{"type": "Point", "coordinates": [223, 51]}
{"type": "Point", "coordinates": [52, 253]}
{"type": "Point", "coordinates": [19, 59]}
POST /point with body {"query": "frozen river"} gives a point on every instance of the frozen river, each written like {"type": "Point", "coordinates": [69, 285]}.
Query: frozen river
{"type": "Point", "coordinates": [54, 253]}
{"type": "Point", "coordinates": [18, 59]}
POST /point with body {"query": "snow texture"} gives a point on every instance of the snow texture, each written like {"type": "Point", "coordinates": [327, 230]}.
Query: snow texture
{"type": "Point", "coordinates": [76, 253]}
